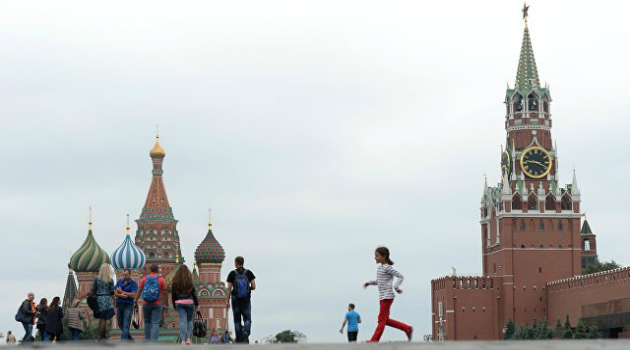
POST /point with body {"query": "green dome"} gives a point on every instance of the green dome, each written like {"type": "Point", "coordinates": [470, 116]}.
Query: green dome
{"type": "Point", "coordinates": [89, 257]}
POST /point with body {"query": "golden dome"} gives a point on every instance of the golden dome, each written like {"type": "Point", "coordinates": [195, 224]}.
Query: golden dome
{"type": "Point", "coordinates": [157, 151]}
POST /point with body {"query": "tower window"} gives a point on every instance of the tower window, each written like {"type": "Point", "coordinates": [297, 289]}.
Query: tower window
{"type": "Point", "coordinates": [540, 270]}
{"type": "Point", "coordinates": [532, 102]}
{"type": "Point", "coordinates": [560, 225]}
{"type": "Point", "coordinates": [566, 202]}
{"type": "Point", "coordinates": [550, 203]}
{"type": "Point", "coordinates": [532, 202]}
{"type": "Point", "coordinates": [587, 245]}
{"type": "Point", "coordinates": [522, 225]}
{"type": "Point", "coordinates": [517, 202]}
{"type": "Point", "coordinates": [541, 226]}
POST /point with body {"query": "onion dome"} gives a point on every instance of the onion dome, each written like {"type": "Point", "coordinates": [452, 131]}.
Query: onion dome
{"type": "Point", "coordinates": [128, 255]}
{"type": "Point", "coordinates": [90, 256]}
{"type": "Point", "coordinates": [157, 151]}
{"type": "Point", "coordinates": [209, 250]}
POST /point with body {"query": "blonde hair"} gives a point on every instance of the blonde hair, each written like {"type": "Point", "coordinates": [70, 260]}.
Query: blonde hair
{"type": "Point", "coordinates": [105, 273]}
{"type": "Point", "coordinates": [76, 302]}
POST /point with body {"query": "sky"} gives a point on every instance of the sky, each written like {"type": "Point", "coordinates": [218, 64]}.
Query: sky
{"type": "Point", "coordinates": [315, 130]}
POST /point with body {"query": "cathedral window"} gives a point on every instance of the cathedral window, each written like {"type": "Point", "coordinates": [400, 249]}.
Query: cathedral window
{"type": "Point", "coordinates": [532, 202]}
{"type": "Point", "coordinates": [517, 202]}
{"type": "Point", "coordinates": [560, 225]}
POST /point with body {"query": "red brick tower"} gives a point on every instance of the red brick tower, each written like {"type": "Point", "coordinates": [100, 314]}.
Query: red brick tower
{"type": "Point", "coordinates": [157, 232]}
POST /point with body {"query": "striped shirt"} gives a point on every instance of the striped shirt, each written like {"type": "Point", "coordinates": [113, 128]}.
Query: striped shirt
{"type": "Point", "coordinates": [384, 279]}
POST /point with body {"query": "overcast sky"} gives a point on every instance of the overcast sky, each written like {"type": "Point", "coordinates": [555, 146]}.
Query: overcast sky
{"type": "Point", "coordinates": [315, 131]}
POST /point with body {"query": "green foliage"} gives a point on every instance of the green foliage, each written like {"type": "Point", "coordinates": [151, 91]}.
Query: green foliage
{"type": "Point", "coordinates": [286, 337]}
{"type": "Point", "coordinates": [593, 332]}
{"type": "Point", "coordinates": [559, 325]}
{"type": "Point", "coordinates": [543, 331]}
{"type": "Point", "coordinates": [600, 267]}
{"type": "Point", "coordinates": [510, 330]}
{"type": "Point", "coordinates": [581, 332]}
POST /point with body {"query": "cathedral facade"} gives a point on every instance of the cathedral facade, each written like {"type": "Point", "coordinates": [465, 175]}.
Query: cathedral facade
{"type": "Point", "coordinates": [157, 241]}
{"type": "Point", "coordinates": [534, 237]}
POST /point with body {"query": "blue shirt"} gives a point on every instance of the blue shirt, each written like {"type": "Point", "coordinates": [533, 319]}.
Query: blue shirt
{"type": "Point", "coordinates": [353, 321]}
{"type": "Point", "coordinates": [130, 287]}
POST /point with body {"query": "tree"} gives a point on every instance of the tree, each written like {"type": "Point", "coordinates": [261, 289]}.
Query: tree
{"type": "Point", "coordinates": [581, 331]}
{"type": "Point", "coordinates": [593, 332]}
{"type": "Point", "coordinates": [510, 330]}
{"type": "Point", "coordinates": [289, 336]}
{"type": "Point", "coordinates": [530, 333]}
{"type": "Point", "coordinates": [600, 267]}
{"type": "Point", "coordinates": [568, 332]}
{"type": "Point", "coordinates": [543, 331]}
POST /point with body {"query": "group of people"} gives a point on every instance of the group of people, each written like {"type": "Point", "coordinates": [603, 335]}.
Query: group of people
{"type": "Point", "coordinates": [121, 299]}
{"type": "Point", "coordinates": [47, 319]}
{"type": "Point", "coordinates": [108, 299]}
{"type": "Point", "coordinates": [385, 275]}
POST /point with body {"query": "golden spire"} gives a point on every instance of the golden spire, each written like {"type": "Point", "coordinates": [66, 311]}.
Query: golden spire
{"type": "Point", "coordinates": [128, 225]}
{"type": "Point", "coordinates": [157, 151]}
{"type": "Point", "coordinates": [90, 220]}
{"type": "Point", "coordinates": [209, 219]}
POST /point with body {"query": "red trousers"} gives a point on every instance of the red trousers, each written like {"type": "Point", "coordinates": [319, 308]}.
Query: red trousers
{"type": "Point", "coordinates": [384, 320]}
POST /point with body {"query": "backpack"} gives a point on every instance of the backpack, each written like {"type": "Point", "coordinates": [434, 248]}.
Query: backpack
{"type": "Point", "coordinates": [18, 315]}
{"type": "Point", "coordinates": [151, 289]}
{"type": "Point", "coordinates": [242, 285]}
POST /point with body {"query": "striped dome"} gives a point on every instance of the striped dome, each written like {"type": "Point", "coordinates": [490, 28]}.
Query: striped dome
{"type": "Point", "coordinates": [209, 250]}
{"type": "Point", "coordinates": [89, 257]}
{"type": "Point", "coordinates": [128, 256]}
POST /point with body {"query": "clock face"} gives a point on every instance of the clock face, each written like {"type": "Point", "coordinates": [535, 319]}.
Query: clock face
{"type": "Point", "coordinates": [536, 162]}
{"type": "Point", "coordinates": [506, 164]}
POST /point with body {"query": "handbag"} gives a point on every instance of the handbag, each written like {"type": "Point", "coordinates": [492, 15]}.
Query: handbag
{"type": "Point", "coordinates": [200, 328]}
{"type": "Point", "coordinates": [91, 301]}
{"type": "Point", "coordinates": [135, 319]}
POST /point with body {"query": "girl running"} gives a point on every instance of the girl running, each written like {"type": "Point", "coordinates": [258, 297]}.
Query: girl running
{"type": "Point", "coordinates": [385, 274]}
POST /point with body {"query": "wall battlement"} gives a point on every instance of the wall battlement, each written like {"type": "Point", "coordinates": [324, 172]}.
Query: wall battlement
{"type": "Point", "coordinates": [585, 281]}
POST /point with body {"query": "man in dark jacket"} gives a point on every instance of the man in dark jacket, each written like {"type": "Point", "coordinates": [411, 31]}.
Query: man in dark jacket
{"type": "Point", "coordinates": [27, 312]}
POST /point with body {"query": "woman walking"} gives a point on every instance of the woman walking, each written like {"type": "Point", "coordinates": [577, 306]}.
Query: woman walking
{"type": "Point", "coordinates": [103, 289]}
{"type": "Point", "coordinates": [54, 325]}
{"type": "Point", "coordinates": [75, 319]}
{"type": "Point", "coordinates": [42, 315]}
{"type": "Point", "coordinates": [385, 274]}
{"type": "Point", "coordinates": [185, 301]}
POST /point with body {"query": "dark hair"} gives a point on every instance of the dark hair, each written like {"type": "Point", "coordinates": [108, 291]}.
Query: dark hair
{"type": "Point", "coordinates": [54, 304]}
{"type": "Point", "coordinates": [351, 306]}
{"type": "Point", "coordinates": [43, 304]}
{"type": "Point", "coordinates": [127, 270]}
{"type": "Point", "coordinates": [239, 260]}
{"type": "Point", "coordinates": [384, 252]}
{"type": "Point", "coordinates": [182, 281]}
{"type": "Point", "coordinates": [155, 268]}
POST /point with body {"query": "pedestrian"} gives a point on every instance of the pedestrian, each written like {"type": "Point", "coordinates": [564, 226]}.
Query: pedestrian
{"type": "Point", "coordinates": [103, 289]}
{"type": "Point", "coordinates": [385, 274]}
{"type": "Point", "coordinates": [241, 283]}
{"type": "Point", "coordinates": [10, 338]}
{"type": "Point", "coordinates": [26, 315]}
{"type": "Point", "coordinates": [184, 300]}
{"type": "Point", "coordinates": [42, 314]}
{"type": "Point", "coordinates": [54, 324]}
{"type": "Point", "coordinates": [125, 291]}
{"type": "Point", "coordinates": [226, 339]}
{"type": "Point", "coordinates": [75, 319]}
{"type": "Point", "coordinates": [152, 287]}
{"type": "Point", "coordinates": [352, 319]}
{"type": "Point", "coordinates": [214, 337]}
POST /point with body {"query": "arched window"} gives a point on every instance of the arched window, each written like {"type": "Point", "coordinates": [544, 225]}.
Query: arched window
{"type": "Point", "coordinates": [550, 203]}
{"type": "Point", "coordinates": [550, 225]}
{"type": "Point", "coordinates": [166, 255]}
{"type": "Point", "coordinates": [532, 202]}
{"type": "Point", "coordinates": [518, 103]}
{"type": "Point", "coordinates": [522, 225]}
{"type": "Point", "coordinates": [546, 106]}
{"type": "Point", "coordinates": [566, 202]}
{"type": "Point", "coordinates": [586, 246]}
{"type": "Point", "coordinates": [541, 226]}
{"type": "Point", "coordinates": [560, 225]}
{"type": "Point", "coordinates": [151, 255]}
{"type": "Point", "coordinates": [532, 102]}
{"type": "Point", "coordinates": [517, 202]}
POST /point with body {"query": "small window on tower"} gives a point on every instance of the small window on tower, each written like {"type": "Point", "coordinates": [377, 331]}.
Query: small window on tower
{"type": "Point", "coordinates": [550, 203]}
{"type": "Point", "coordinates": [532, 102]}
{"type": "Point", "coordinates": [541, 226]}
{"type": "Point", "coordinates": [532, 202]}
{"type": "Point", "coordinates": [560, 225]}
{"type": "Point", "coordinates": [522, 225]}
{"type": "Point", "coordinates": [517, 202]}
{"type": "Point", "coordinates": [566, 202]}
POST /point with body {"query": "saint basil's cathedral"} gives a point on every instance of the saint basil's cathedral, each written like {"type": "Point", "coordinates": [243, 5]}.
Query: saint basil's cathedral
{"type": "Point", "coordinates": [157, 241]}
{"type": "Point", "coordinates": [534, 238]}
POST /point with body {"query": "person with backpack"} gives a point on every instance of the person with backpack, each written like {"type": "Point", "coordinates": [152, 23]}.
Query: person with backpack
{"type": "Point", "coordinates": [241, 283]}
{"type": "Point", "coordinates": [185, 301]}
{"type": "Point", "coordinates": [75, 319]}
{"type": "Point", "coordinates": [42, 315]}
{"type": "Point", "coordinates": [26, 315]}
{"type": "Point", "coordinates": [125, 291]}
{"type": "Point", "coordinates": [103, 289]}
{"type": "Point", "coordinates": [54, 324]}
{"type": "Point", "coordinates": [352, 319]}
{"type": "Point", "coordinates": [385, 274]}
{"type": "Point", "coordinates": [152, 287]}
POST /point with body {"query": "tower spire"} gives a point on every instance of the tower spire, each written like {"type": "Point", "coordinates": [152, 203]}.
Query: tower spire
{"type": "Point", "coordinates": [527, 73]}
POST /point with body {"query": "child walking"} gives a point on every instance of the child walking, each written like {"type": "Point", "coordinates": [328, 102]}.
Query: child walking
{"type": "Point", "coordinates": [385, 274]}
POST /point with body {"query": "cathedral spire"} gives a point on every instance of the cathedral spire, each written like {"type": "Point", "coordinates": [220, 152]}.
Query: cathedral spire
{"type": "Point", "coordinates": [527, 73]}
{"type": "Point", "coordinates": [156, 205]}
